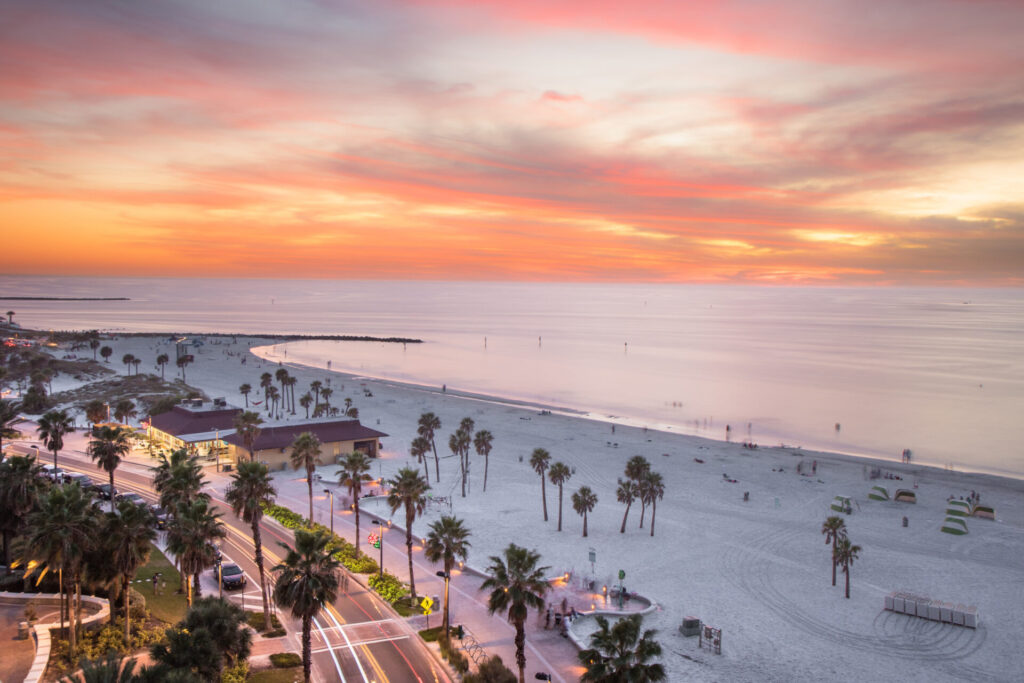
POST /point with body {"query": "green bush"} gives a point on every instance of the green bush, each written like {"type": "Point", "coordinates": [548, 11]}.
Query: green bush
{"type": "Point", "coordinates": [276, 633]}
{"type": "Point", "coordinates": [430, 635]}
{"type": "Point", "coordinates": [389, 586]}
{"type": "Point", "coordinates": [255, 620]}
{"type": "Point", "coordinates": [236, 674]}
{"type": "Point", "coordinates": [285, 660]}
{"type": "Point", "coordinates": [345, 552]}
{"type": "Point", "coordinates": [458, 660]}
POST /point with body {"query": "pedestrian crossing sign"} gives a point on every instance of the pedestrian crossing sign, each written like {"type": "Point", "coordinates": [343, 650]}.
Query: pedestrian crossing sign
{"type": "Point", "coordinates": [426, 604]}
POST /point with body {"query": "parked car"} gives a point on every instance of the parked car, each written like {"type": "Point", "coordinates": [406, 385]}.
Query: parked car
{"type": "Point", "coordinates": [82, 480]}
{"type": "Point", "coordinates": [133, 498]}
{"type": "Point", "coordinates": [232, 576]}
{"type": "Point", "coordinates": [54, 473]}
{"type": "Point", "coordinates": [161, 516]}
{"type": "Point", "coordinates": [105, 491]}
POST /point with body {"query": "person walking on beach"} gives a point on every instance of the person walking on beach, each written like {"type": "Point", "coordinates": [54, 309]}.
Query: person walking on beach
{"type": "Point", "coordinates": [547, 619]}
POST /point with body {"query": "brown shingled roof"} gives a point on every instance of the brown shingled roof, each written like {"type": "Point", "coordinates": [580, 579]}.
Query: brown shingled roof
{"type": "Point", "coordinates": [180, 420]}
{"type": "Point", "coordinates": [282, 436]}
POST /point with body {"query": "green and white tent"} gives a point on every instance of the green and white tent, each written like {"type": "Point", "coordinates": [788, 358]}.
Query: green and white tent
{"type": "Point", "coordinates": [842, 504]}
{"type": "Point", "coordinates": [954, 525]}
{"type": "Point", "coordinates": [959, 508]}
{"type": "Point", "coordinates": [878, 493]}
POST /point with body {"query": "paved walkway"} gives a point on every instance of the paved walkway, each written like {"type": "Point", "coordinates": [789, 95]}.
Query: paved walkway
{"type": "Point", "coordinates": [17, 654]}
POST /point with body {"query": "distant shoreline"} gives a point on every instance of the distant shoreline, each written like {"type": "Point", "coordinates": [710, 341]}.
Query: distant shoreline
{"type": "Point", "coordinates": [229, 335]}
{"type": "Point", "coordinates": [64, 298]}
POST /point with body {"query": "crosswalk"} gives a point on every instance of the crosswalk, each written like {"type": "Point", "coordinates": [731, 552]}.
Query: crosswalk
{"type": "Point", "coordinates": [355, 634]}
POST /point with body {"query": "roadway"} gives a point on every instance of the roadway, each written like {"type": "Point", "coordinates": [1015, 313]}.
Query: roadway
{"type": "Point", "coordinates": [357, 638]}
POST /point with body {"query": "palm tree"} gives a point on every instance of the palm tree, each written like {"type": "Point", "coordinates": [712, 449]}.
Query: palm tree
{"type": "Point", "coordinates": [305, 401]}
{"type": "Point", "coordinates": [583, 501]}
{"type": "Point", "coordinates": [483, 442]}
{"type": "Point", "coordinates": [272, 397]}
{"type": "Point", "coordinates": [637, 468]}
{"type": "Point", "coordinates": [20, 488]}
{"type": "Point", "coordinates": [844, 554]}
{"type": "Point", "coordinates": [106, 352]}
{"type": "Point", "coordinates": [306, 453]}
{"type": "Point", "coordinates": [10, 317]}
{"type": "Point", "coordinates": [249, 491]}
{"type": "Point", "coordinates": [619, 653]}
{"type": "Point", "coordinates": [127, 360]}
{"type": "Point", "coordinates": [124, 410]}
{"type": "Point", "coordinates": [161, 361]}
{"type": "Point", "coordinates": [95, 411]}
{"type": "Point", "coordinates": [516, 584]}
{"type": "Point", "coordinates": [266, 381]}
{"type": "Point", "coordinates": [834, 529]}
{"type": "Point", "coordinates": [282, 376]}
{"type": "Point", "coordinates": [9, 415]}
{"type": "Point", "coordinates": [60, 530]}
{"type": "Point", "coordinates": [447, 542]}
{"type": "Point", "coordinates": [178, 480]}
{"type": "Point", "coordinates": [315, 387]}
{"type": "Point", "coordinates": [52, 427]}
{"type": "Point", "coordinates": [408, 490]}
{"type": "Point", "coordinates": [559, 474]}
{"type": "Point", "coordinates": [539, 462]}
{"type": "Point", "coordinates": [247, 426]}
{"type": "Point", "coordinates": [418, 449]}
{"type": "Point", "coordinates": [326, 393]}
{"type": "Point", "coordinates": [182, 363]}
{"type": "Point", "coordinates": [426, 427]}
{"type": "Point", "coordinates": [307, 579]}
{"type": "Point", "coordinates": [652, 489]}
{"type": "Point", "coordinates": [353, 473]}
{"type": "Point", "coordinates": [94, 344]}
{"type": "Point", "coordinates": [136, 362]}
{"type": "Point", "coordinates": [627, 492]}
{"type": "Point", "coordinates": [459, 445]}
{"type": "Point", "coordinates": [129, 534]}
{"type": "Point", "coordinates": [244, 391]}
{"type": "Point", "coordinates": [191, 537]}
{"type": "Point", "coordinates": [108, 446]}
{"type": "Point", "coordinates": [290, 383]}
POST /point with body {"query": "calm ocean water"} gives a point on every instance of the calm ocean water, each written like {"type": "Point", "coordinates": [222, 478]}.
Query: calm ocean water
{"type": "Point", "coordinates": [939, 371]}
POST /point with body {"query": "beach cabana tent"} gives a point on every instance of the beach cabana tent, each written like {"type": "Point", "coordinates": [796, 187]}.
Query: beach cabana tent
{"type": "Point", "coordinates": [905, 496]}
{"type": "Point", "coordinates": [960, 508]}
{"type": "Point", "coordinates": [841, 504]}
{"type": "Point", "coordinates": [878, 493]}
{"type": "Point", "coordinates": [985, 511]}
{"type": "Point", "coordinates": [954, 525]}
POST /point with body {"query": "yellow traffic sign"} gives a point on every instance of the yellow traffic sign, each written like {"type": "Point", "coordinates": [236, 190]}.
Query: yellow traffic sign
{"type": "Point", "coordinates": [426, 603]}
{"type": "Point", "coordinates": [427, 612]}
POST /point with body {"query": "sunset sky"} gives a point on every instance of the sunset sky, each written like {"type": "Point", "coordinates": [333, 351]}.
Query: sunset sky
{"type": "Point", "coordinates": [779, 141]}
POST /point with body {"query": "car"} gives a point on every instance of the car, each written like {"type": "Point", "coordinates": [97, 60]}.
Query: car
{"type": "Point", "coordinates": [133, 498]}
{"type": "Point", "coordinates": [232, 576]}
{"type": "Point", "coordinates": [161, 516]}
{"type": "Point", "coordinates": [82, 480]}
{"type": "Point", "coordinates": [106, 491]}
{"type": "Point", "coordinates": [54, 473]}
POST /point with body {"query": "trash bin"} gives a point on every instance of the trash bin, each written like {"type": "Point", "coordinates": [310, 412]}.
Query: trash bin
{"type": "Point", "coordinates": [690, 626]}
{"type": "Point", "coordinates": [23, 630]}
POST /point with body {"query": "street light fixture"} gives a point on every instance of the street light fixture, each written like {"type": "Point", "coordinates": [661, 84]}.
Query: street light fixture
{"type": "Point", "coordinates": [380, 540]}
{"type": "Point", "coordinates": [331, 494]}
{"type": "Point", "coordinates": [541, 676]}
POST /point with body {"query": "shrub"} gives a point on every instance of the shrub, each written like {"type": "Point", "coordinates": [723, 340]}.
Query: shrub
{"type": "Point", "coordinates": [235, 674]}
{"type": "Point", "coordinates": [276, 633]}
{"type": "Point", "coordinates": [431, 635]}
{"type": "Point", "coordinates": [458, 660]}
{"type": "Point", "coordinates": [492, 670]}
{"type": "Point", "coordinates": [285, 660]}
{"type": "Point", "coordinates": [255, 620]}
{"type": "Point", "coordinates": [389, 587]}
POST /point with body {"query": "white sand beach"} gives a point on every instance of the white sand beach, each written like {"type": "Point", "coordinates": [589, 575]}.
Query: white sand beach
{"type": "Point", "coordinates": [759, 570]}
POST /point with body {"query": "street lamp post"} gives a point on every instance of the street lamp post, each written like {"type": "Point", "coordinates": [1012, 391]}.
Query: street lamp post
{"type": "Point", "coordinates": [220, 578]}
{"type": "Point", "coordinates": [447, 577]}
{"type": "Point", "coordinates": [331, 494]}
{"type": "Point", "coordinates": [380, 541]}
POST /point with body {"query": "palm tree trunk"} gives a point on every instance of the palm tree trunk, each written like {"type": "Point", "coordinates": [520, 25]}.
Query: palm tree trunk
{"type": "Point", "coordinates": [197, 589]}
{"type": "Point", "coordinates": [307, 659]}
{"type": "Point", "coordinates": [560, 507]}
{"type": "Point", "coordinates": [544, 497]}
{"type": "Point", "coordinates": [834, 539]}
{"type": "Point", "coordinates": [112, 496]}
{"type": "Point", "coordinates": [408, 547]}
{"type": "Point", "coordinates": [846, 570]}
{"type": "Point", "coordinates": [462, 467]}
{"type": "Point", "coordinates": [426, 469]}
{"type": "Point", "coordinates": [437, 462]}
{"type": "Point", "coordinates": [78, 605]}
{"type": "Point", "coordinates": [257, 541]}
{"type": "Point", "coordinates": [486, 459]}
{"type": "Point", "coordinates": [127, 610]}
{"type": "Point", "coordinates": [309, 484]}
{"type": "Point", "coordinates": [521, 651]}
{"type": "Point", "coordinates": [447, 579]}
{"type": "Point", "coordinates": [355, 496]}
{"type": "Point", "coordinates": [584, 525]}
{"type": "Point", "coordinates": [643, 511]}
{"type": "Point", "coordinates": [626, 514]}
{"type": "Point", "coordinates": [654, 510]}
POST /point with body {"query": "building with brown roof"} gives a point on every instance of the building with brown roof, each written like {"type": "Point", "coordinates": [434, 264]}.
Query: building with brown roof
{"type": "Point", "coordinates": [194, 424]}
{"type": "Point", "coordinates": [273, 446]}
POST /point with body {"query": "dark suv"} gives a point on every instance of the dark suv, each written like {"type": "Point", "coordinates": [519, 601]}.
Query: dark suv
{"type": "Point", "coordinates": [232, 576]}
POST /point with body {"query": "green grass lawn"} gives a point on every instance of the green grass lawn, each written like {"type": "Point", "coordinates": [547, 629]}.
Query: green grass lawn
{"type": "Point", "coordinates": [168, 606]}
{"type": "Point", "coordinates": [289, 675]}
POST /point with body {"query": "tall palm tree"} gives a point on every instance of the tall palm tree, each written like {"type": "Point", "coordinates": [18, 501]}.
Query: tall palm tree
{"type": "Point", "coordinates": [249, 491]}
{"type": "Point", "coordinates": [272, 397]}
{"type": "Point", "coordinates": [353, 473]}
{"type": "Point", "coordinates": [182, 363]}
{"type": "Point", "coordinates": [9, 416]}
{"type": "Point", "coordinates": [60, 530]}
{"type": "Point", "coordinates": [191, 537]}
{"type": "Point", "coordinates": [834, 529]}
{"type": "Point", "coordinates": [326, 394]}
{"type": "Point", "coordinates": [290, 383]}
{"type": "Point", "coordinates": [108, 446]}
{"type": "Point", "coordinates": [106, 352]}
{"type": "Point", "coordinates": [315, 386]}
{"type": "Point", "coordinates": [539, 462]}
{"type": "Point", "coordinates": [94, 344]}
{"type": "Point", "coordinates": [426, 427]}
{"type": "Point", "coordinates": [458, 443]}
{"type": "Point", "coordinates": [483, 442]}
{"type": "Point", "coordinates": [306, 453]}
{"type": "Point", "coordinates": [53, 425]}
{"type": "Point", "coordinates": [20, 488]}
{"type": "Point", "coordinates": [652, 489]}
{"type": "Point", "coordinates": [408, 490]}
{"type": "Point", "coordinates": [161, 361]}
{"type": "Point", "coordinates": [516, 584]}
{"type": "Point", "coordinates": [447, 543]}
{"type": "Point", "coordinates": [282, 378]}
{"type": "Point", "coordinates": [95, 411]}
{"type": "Point", "coordinates": [244, 391]}
{"type": "Point", "coordinates": [418, 449]}
{"type": "Point", "coordinates": [178, 480]}
{"type": "Point", "coordinates": [266, 381]}
{"type": "Point", "coordinates": [127, 359]}
{"type": "Point", "coordinates": [307, 579]}
{"type": "Point", "coordinates": [844, 554]}
{"type": "Point", "coordinates": [619, 653]}
{"type": "Point", "coordinates": [583, 502]}
{"type": "Point", "coordinates": [627, 492]}
{"type": "Point", "coordinates": [637, 468]}
{"type": "Point", "coordinates": [125, 410]}
{"type": "Point", "coordinates": [247, 426]}
{"type": "Point", "coordinates": [559, 474]}
{"type": "Point", "coordinates": [305, 401]}
{"type": "Point", "coordinates": [129, 533]}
